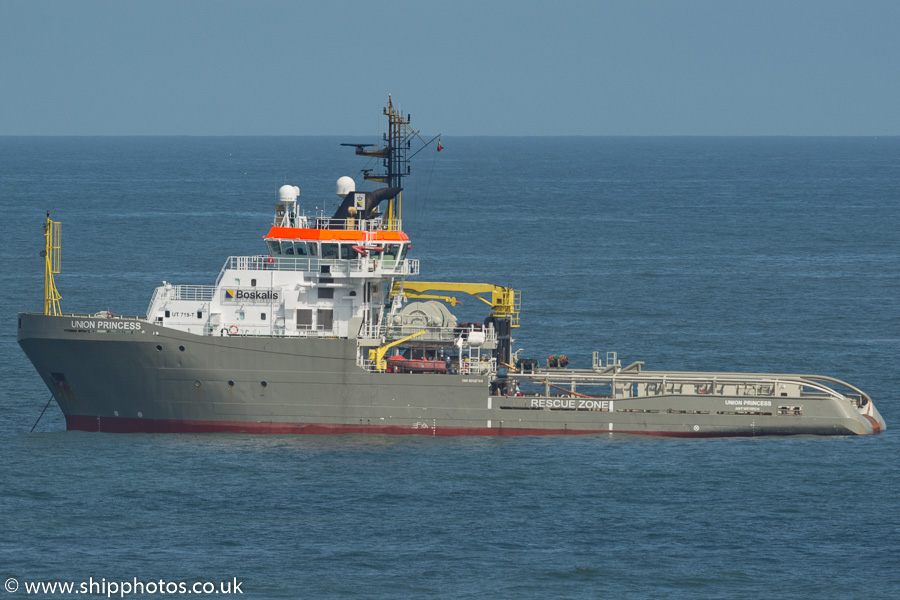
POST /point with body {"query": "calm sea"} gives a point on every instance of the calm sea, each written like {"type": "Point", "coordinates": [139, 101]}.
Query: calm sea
{"type": "Point", "coordinates": [756, 254]}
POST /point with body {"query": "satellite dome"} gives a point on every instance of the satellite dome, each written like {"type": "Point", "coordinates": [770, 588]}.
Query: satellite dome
{"type": "Point", "coordinates": [345, 185]}
{"type": "Point", "coordinates": [287, 194]}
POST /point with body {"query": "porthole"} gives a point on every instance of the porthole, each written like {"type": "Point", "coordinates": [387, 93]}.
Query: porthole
{"type": "Point", "coordinates": [197, 383]}
{"type": "Point", "coordinates": [263, 383]}
{"type": "Point", "coordinates": [181, 348]}
{"type": "Point", "coordinates": [230, 383]}
{"type": "Point", "coordinates": [158, 348]}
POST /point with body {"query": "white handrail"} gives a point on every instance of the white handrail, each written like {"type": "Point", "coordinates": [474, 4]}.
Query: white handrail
{"type": "Point", "coordinates": [336, 266]}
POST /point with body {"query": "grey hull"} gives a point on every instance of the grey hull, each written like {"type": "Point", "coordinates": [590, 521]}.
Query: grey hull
{"type": "Point", "coordinates": [125, 374]}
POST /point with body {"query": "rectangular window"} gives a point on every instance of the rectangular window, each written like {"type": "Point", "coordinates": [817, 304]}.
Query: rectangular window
{"type": "Point", "coordinates": [262, 316]}
{"type": "Point", "coordinates": [390, 254]}
{"type": "Point", "coordinates": [329, 251]}
{"type": "Point", "coordinates": [326, 292]}
{"type": "Point", "coordinates": [304, 318]}
{"type": "Point", "coordinates": [241, 316]}
{"type": "Point", "coordinates": [326, 318]}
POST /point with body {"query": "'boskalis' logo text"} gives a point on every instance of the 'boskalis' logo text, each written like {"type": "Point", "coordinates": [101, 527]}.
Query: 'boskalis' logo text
{"type": "Point", "coordinates": [239, 295]}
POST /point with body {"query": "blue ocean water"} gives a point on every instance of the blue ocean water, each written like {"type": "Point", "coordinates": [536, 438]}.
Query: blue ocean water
{"type": "Point", "coordinates": [751, 254]}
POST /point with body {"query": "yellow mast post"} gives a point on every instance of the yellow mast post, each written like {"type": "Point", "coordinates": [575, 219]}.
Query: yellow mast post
{"type": "Point", "coordinates": [51, 255]}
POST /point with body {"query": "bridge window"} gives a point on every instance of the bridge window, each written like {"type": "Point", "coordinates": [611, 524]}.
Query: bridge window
{"type": "Point", "coordinates": [277, 248]}
{"type": "Point", "coordinates": [391, 251]}
{"type": "Point", "coordinates": [347, 251]}
{"type": "Point", "coordinates": [330, 251]}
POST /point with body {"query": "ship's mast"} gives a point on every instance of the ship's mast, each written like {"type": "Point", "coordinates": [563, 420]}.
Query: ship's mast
{"type": "Point", "coordinates": [394, 154]}
{"type": "Point", "coordinates": [51, 256]}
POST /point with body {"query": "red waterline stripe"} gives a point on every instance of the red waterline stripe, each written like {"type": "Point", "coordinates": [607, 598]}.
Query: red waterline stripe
{"type": "Point", "coordinates": [132, 425]}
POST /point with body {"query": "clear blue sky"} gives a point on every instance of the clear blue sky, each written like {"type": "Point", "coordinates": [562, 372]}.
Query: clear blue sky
{"type": "Point", "coordinates": [462, 67]}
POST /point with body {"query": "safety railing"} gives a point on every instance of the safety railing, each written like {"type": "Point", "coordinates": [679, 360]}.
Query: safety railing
{"type": "Point", "coordinates": [368, 365]}
{"type": "Point", "coordinates": [335, 267]}
{"type": "Point", "coordinates": [181, 292]}
{"type": "Point", "coordinates": [731, 385]}
{"type": "Point", "coordinates": [438, 334]}
{"type": "Point", "coordinates": [351, 224]}
{"type": "Point", "coordinates": [475, 366]}
{"type": "Point", "coordinates": [101, 315]}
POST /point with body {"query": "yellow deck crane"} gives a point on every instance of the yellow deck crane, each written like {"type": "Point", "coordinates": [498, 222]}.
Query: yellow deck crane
{"type": "Point", "coordinates": [505, 305]}
{"type": "Point", "coordinates": [505, 302]}
{"type": "Point", "coordinates": [376, 355]}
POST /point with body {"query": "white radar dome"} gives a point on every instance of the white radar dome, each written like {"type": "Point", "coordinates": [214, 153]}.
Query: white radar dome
{"type": "Point", "coordinates": [345, 185]}
{"type": "Point", "coordinates": [288, 194]}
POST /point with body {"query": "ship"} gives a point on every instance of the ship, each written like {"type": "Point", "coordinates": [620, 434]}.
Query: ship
{"type": "Point", "coordinates": [331, 331]}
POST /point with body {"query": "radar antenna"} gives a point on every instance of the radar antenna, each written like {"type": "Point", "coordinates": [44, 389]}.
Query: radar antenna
{"type": "Point", "coordinates": [394, 155]}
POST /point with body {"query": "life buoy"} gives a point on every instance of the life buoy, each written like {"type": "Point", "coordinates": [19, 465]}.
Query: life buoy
{"type": "Point", "coordinates": [233, 330]}
{"type": "Point", "coordinates": [271, 260]}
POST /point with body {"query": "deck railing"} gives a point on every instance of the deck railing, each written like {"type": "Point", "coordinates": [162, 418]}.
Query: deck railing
{"type": "Point", "coordinates": [181, 292]}
{"type": "Point", "coordinates": [437, 334]}
{"type": "Point", "coordinates": [781, 387]}
{"type": "Point", "coordinates": [335, 267]}
{"type": "Point", "coordinates": [353, 224]}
